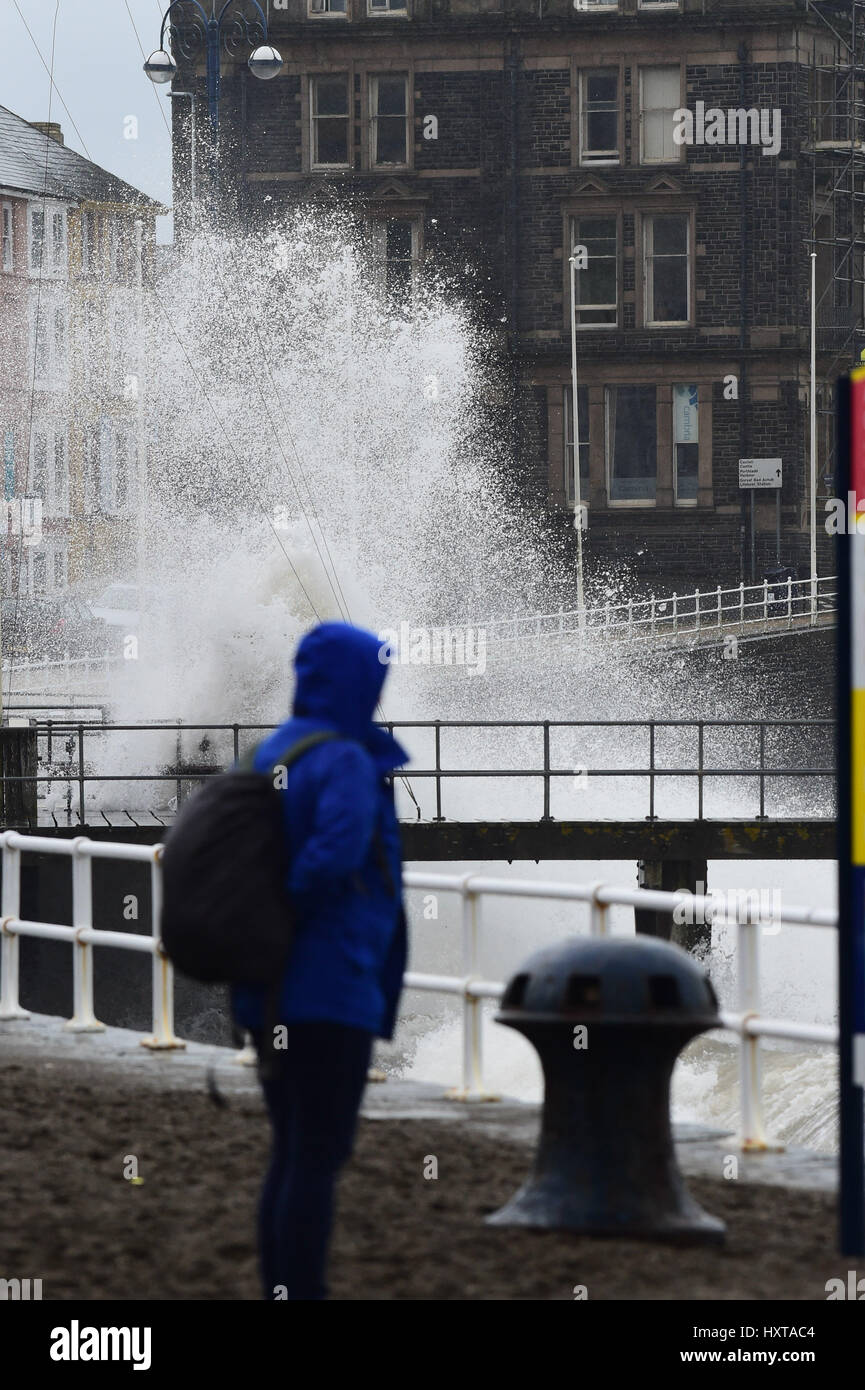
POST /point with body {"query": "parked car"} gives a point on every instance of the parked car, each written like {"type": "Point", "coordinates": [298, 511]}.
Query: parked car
{"type": "Point", "coordinates": [118, 606]}
{"type": "Point", "coordinates": [51, 627]}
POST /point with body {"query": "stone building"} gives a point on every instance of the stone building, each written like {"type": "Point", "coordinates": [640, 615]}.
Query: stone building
{"type": "Point", "coordinates": [501, 135]}
{"type": "Point", "coordinates": [68, 380]}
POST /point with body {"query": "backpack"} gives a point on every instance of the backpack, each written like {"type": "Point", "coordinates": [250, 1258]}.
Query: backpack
{"type": "Point", "coordinates": [226, 916]}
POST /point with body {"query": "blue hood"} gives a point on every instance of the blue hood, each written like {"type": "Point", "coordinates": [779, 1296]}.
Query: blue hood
{"type": "Point", "coordinates": [339, 680]}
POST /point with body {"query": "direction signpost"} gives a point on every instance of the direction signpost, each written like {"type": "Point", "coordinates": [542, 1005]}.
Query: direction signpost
{"type": "Point", "coordinates": [762, 473]}
{"type": "Point", "coordinates": [851, 811]}
{"type": "Point", "coordinates": [754, 473]}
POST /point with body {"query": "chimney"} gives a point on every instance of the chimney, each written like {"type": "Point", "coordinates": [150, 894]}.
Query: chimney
{"type": "Point", "coordinates": [49, 128]}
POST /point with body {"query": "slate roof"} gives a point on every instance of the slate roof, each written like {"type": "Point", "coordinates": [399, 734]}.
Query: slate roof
{"type": "Point", "coordinates": [31, 162]}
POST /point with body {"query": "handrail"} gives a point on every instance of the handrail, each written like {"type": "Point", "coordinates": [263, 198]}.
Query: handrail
{"type": "Point", "coordinates": [747, 1022]}
{"type": "Point", "coordinates": [701, 612]}
{"type": "Point", "coordinates": [82, 934]}
{"type": "Point", "coordinates": [552, 755]}
{"type": "Point", "coordinates": [778, 603]}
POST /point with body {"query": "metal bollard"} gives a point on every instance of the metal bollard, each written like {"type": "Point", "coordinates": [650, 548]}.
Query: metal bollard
{"type": "Point", "coordinates": [608, 1017]}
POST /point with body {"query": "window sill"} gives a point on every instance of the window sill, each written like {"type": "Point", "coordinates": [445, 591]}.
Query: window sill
{"type": "Point", "coordinates": [638, 503]}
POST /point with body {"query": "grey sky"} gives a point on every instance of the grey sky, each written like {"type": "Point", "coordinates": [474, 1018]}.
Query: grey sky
{"type": "Point", "coordinates": [97, 71]}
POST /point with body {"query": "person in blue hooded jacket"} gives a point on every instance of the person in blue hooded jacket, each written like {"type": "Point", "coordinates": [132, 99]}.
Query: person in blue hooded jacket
{"type": "Point", "coordinates": [342, 984]}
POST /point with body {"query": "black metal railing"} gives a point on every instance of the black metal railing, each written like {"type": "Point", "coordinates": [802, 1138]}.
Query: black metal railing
{"type": "Point", "coordinates": [86, 757]}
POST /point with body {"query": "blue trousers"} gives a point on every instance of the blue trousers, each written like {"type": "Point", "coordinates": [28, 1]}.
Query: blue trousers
{"type": "Point", "coordinates": [313, 1098]}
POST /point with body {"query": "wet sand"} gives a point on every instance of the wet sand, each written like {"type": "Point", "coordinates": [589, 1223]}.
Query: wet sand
{"type": "Point", "coordinates": [70, 1217]}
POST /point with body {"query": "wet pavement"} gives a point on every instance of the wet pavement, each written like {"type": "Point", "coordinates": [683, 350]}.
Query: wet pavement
{"type": "Point", "coordinates": [44, 1041]}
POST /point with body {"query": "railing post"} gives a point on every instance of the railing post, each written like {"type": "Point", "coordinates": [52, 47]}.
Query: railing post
{"type": "Point", "coordinates": [472, 1087]}
{"type": "Point", "coordinates": [235, 728]}
{"type": "Point", "coordinates": [247, 1055]}
{"type": "Point", "coordinates": [630, 618]}
{"type": "Point", "coordinates": [789, 600]}
{"type": "Point", "coordinates": [700, 770]}
{"type": "Point", "coordinates": [762, 815]}
{"type": "Point", "coordinates": [438, 778]}
{"type": "Point", "coordinates": [765, 600]}
{"type": "Point", "coordinates": [750, 1078]}
{"type": "Point", "coordinates": [651, 769]}
{"type": "Point", "coordinates": [598, 913]}
{"type": "Point", "coordinates": [546, 814]}
{"type": "Point", "coordinates": [179, 763]}
{"type": "Point", "coordinates": [813, 599]}
{"type": "Point", "coordinates": [652, 615]}
{"type": "Point", "coordinates": [697, 612]}
{"type": "Point", "coordinates": [9, 951]}
{"type": "Point", "coordinates": [162, 1037]}
{"type": "Point", "coordinates": [83, 1019]}
{"type": "Point", "coordinates": [82, 818]}
{"type": "Point", "coordinates": [675, 613]}
{"type": "Point", "coordinates": [741, 605]}
{"type": "Point", "coordinates": [719, 608]}
{"type": "Point", "coordinates": [753, 1134]}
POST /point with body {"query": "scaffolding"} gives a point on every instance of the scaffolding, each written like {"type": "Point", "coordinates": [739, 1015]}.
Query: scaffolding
{"type": "Point", "coordinates": [835, 144]}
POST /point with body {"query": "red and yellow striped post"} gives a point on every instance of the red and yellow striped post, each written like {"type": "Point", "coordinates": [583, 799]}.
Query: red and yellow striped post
{"type": "Point", "coordinates": [851, 808]}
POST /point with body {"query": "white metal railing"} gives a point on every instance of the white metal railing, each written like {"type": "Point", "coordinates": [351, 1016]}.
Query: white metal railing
{"type": "Point", "coordinates": [746, 1022]}
{"type": "Point", "coordinates": [82, 935]}
{"type": "Point", "coordinates": [771, 605]}
{"type": "Point", "coordinates": [80, 665]}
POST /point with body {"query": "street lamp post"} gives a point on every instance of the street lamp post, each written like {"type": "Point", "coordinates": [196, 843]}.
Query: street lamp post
{"type": "Point", "coordinates": [579, 508]}
{"type": "Point", "coordinates": [236, 25]}
{"type": "Point", "coordinates": [812, 412]}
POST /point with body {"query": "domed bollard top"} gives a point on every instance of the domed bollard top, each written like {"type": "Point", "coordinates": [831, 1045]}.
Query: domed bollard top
{"type": "Point", "coordinates": [608, 1017]}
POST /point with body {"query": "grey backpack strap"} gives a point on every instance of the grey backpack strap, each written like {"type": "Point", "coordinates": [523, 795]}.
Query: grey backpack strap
{"type": "Point", "coordinates": [291, 755]}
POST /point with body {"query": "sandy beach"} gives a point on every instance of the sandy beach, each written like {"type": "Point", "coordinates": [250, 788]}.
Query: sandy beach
{"type": "Point", "coordinates": [185, 1231]}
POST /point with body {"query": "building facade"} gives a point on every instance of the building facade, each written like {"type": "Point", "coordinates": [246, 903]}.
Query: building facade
{"type": "Point", "coordinates": [69, 272]}
{"type": "Point", "coordinates": [690, 154]}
